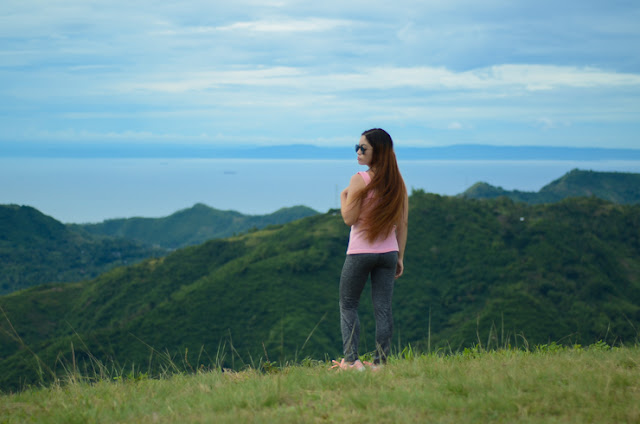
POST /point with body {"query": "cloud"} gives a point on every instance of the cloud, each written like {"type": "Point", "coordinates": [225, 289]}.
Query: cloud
{"type": "Point", "coordinates": [80, 136]}
{"type": "Point", "coordinates": [547, 123]}
{"type": "Point", "coordinates": [264, 26]}
{"type": "Point", "coordinates": [195, 81]}
{"type": "Point", "coordinates": [499, 77]}
{"type": "Point", "coordinates": [289, 69]}
{"type": "Point", "coordinates": [287, 26]}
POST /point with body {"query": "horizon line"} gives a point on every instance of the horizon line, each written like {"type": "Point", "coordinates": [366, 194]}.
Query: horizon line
{"type": "Point", "coordinates": [71, 150]}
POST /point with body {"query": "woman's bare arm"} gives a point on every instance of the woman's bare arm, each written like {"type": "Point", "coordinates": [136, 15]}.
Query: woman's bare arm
{"type": "Point", "coordinates": [350, 201]}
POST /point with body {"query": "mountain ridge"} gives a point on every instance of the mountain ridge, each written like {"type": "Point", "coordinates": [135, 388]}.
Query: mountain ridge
{"type": "Point", "coordinates": [200, 222]}
{"type": "Point", "coordinates": [617, 187]}
{"type": "Point", "coordinates": [191, 226]}
{"type": "Point", "coordinates": [567, 271]}
{"type": "Point", "coordinates": [36, 248]}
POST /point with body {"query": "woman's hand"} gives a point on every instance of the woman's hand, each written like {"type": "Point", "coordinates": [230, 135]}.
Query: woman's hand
{"type": "Point", "coordinates": [401, 233]}
{"type": "Point", "coordinates": [399, 268]}
{"type": "Point", "coordinates": [344, 194]}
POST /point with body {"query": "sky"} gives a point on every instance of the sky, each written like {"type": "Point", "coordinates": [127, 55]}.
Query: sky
{"type": "Point", "coordinates": [244, 72]}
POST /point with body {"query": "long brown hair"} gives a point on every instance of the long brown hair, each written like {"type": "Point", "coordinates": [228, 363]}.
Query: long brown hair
{"type": "Point", "coordinates": [386, 185]}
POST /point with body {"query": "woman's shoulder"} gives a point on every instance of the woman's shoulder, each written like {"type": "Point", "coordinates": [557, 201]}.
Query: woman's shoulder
{"type": "Point", "coordinates": [356, 180]}
{"type": "Point", "coordinates": [363, 176]}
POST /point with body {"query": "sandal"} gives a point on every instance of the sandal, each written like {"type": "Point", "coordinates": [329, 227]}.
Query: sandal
{"type": "Point", "coordinates": [344, 365]}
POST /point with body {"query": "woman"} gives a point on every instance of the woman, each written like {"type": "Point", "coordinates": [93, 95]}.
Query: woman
{"type": "Point", "coordinates": [376, 206]}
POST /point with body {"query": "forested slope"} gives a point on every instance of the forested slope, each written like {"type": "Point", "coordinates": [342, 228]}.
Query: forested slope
{"type": "Point", "coordinates": [490, 272]}
{"type": "Point", "coordinates": [616, 187]}
{"type": "Point", "coordinates": [192, 226]}
{"type": "Point", "coordinates": [37, 249]}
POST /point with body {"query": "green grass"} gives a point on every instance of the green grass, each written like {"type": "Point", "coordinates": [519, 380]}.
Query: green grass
{"type": "Point", "coordinates": [548, 384]}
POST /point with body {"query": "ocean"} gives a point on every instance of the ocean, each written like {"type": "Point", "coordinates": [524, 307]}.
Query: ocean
{"type": "Point", "coordinates": [84, 190]}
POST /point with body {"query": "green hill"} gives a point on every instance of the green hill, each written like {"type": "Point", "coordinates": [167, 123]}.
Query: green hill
{"type": "Point", "coordinates": [36, 249]}
{"type": "Point", "coordinates": [192, 226]}
{"type": "Point", "coordinates": [547, 384]}
{"type": "Point", "coordinates": [617, 187]}
{"type": "Point", "coordinates": [476, 272]}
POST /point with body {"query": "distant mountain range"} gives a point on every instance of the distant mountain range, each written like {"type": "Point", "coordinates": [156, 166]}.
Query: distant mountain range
{"type": "Point", "coordinates": [37, 249]}
{"type": "Point", "coordinates": [492, 272]}
{"type": "Point", "coordinates": [617, 187]}
{"type": "Point", "coordinates": [300, 151]}
{"type": "Point", "coordinates": [191, 226]}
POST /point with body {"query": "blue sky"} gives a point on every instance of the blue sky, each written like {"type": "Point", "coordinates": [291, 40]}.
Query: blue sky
{"type": "Point", "coordinates": [433, 73]}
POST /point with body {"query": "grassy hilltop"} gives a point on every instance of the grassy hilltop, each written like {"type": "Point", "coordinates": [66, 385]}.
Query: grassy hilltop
{"type": "Point", "coordinates": [491, 272]}
{"type": "Point", "coordinates": [548, 385]}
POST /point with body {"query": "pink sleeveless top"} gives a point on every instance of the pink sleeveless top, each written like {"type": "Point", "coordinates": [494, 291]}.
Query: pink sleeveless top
{"type": "Point", "coordinates": [358, 242]}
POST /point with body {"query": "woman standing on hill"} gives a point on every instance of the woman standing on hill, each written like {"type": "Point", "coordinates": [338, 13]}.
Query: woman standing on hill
{"type": "Point", "coordinates": [376, 206]}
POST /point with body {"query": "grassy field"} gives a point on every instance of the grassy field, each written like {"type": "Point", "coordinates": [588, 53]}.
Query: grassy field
{"type": "Point", "coordinates": [550, 384]}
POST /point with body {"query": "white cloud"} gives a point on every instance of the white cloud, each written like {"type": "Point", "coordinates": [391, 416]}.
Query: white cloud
{"type": "Point", "coordinates": [151, 68]}
{"type": "Point", "coordinates": [263, 26]}
{"type": "Point", "coordinates": [195, 81]}
{"type": "Point", "coordinates": [287, 25]}
{"type": "Point", "coordinates": [81, 136]}
{"type": "Point", "coordinates": [547, 123]}
{"type": "Point", "coordinates": [499, 77]}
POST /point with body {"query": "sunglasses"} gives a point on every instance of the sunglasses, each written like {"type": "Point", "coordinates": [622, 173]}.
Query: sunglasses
{"type": "Point", "coordinates": [361, 147]}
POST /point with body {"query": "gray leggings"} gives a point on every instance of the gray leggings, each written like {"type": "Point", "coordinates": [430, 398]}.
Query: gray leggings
{"type": "Point", "coordinates": [356, 270]}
